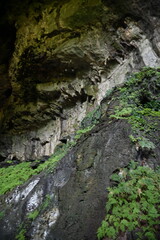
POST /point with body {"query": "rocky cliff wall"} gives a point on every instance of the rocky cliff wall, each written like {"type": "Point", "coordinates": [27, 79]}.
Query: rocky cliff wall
{"type": "Point", "coordinates": [68, 202]}
{"type": "Point", "coordinates": [66, 56]}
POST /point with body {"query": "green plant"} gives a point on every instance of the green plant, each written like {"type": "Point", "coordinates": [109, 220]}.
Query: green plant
{"type": "Point", "coordinates": [2, 214]}
{"type": "Point", "coordinates": [9, 161]}
{"type": "Point", "coordinates": [33, 215]}
{"type": "Point", "coordinates": [109, 92]}
{"type": "Point", "coordinates": [46, 202]}
{"type": "Point", "coordinates": [91, 119]}
{"type": "Point", "coordinates": [133, 204]}
{"type": "Point", "coordinates": [139, 104]}
{"type": "Point", "coordinates": [142, 142]}
{"type": "Point", "coordinates": [80, 132]}
{"type": "Point", "coordinates": [21, 234]}
{"type": "Point", "coordinates": [13, 176]}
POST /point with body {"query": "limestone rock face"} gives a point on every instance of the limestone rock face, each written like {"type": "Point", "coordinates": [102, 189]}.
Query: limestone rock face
{"type": "Point", "coordinates": [66, 55]}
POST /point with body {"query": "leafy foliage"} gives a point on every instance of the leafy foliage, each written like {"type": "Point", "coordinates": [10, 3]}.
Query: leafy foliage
{"type": "Point", "coordinates": [91, 119]}
{"type": "Point", "coordinates": [21, 234]}
{"type": "Point", "coordinates": [143, 142]}
{"type": "Point", "coordinates": [133, 204]}
{"type": "Point", "coordinates": [13, 176]}
{"type": "Point", "coordinates": [139, 103]}
{"type": "Point", "coordinates": [80, 132]}
{"type": "Point", "coordinates": [33, 214]}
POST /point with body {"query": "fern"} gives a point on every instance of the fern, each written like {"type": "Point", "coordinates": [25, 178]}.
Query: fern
{"type": "Point", "coordinates": [133, 204]}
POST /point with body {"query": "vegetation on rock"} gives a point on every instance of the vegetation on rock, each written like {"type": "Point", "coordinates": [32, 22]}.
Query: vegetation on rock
{"type": "Point", "coordinates": [139, 103]}
{"type": "Point", "coordinates": [21, 234]}
{"type": "Point", "coordinates": [34, 214]}
{"type": "Point", "coordinates": [92, 118]}
{"type": "Point", "coordinates": [80, 132]}
{"type": "Point", "coordinates": [2, 214]}
{"type": "Point", "coordinates": [13, 176]}
{"type": "Point", "coordinates": [62, 54]}
{"type": "Point", "coordinates": [133, 204]}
